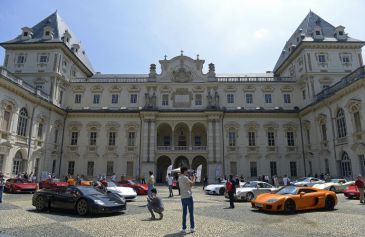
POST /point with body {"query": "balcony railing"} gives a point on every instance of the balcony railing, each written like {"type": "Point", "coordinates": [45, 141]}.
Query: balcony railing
{"type": "Point", "coordinates": [181, 148]}
{"type": "Point", "coordinates": [252, 149]}
{"type": "Point", "coordinates": [291, 149]}
{"type": "Point", "coordinates": [73, 148]}
{"type": "Point", "coordinates": [241, 79]}
{"type": "Point", "coordinates": [272, 149]}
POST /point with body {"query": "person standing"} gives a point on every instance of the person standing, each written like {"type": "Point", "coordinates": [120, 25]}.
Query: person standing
{"type": "Point", "coordinates": [231, 190]}
{"type": "Point", "coordinates": [150, 183]}
{"type": "Point", "coordinates": [286, 180]}
{"type": "Point", "coordinates": [360, 186]}
{"type": "Point", "coordinates": [114, 178]}
{"type": "Point", "coordinates": [205, 183]}
{"type": "Point", "coordinates": [187, 199]}
{"type": "Point", "coordinates": [154, 204]}
{"type": "Point", "coordinates": [2, 184]}
{"type": "Point", "coordinates": [169, 183]}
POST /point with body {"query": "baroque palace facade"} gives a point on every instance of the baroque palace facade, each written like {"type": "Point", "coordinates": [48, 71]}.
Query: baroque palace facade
{"type": "Point", "coordinates": [306, 117]}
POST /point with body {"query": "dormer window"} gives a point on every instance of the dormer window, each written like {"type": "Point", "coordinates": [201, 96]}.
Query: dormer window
{"type": "Point", "coordinates": [26, 33]}
{"type": "Point", "coordinates": [75, 48]}
{"type": "Point", "coordinates": [321, 58]}
{"type": "Point", "coordinates": [318, 32]}
{"type": "Point", "coordinates": [66, 37]}
{"type": "Point", "coordinates": [48, 32]}
{"type": "Point", "coordinates": [340, 33]}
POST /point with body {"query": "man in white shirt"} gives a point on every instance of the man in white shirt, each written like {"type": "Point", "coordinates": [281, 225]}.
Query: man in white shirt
{"type": "Point", "coordinates": [187, 198]}
{"type": "Point", "coordinates": [286, 180]}
{"type": "Point", "coordinates": [114, 177]}
{"type": "Point", "coordinates": [169, 182]}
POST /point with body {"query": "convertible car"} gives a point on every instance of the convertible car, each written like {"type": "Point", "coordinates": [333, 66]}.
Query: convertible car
{"type": "Point", "coordinates": [83, 199]}
{"type": "Point", "coordinates": [126, 192]}
{"type": "Point", "coordinates": [251, 189]}
{"type": "Point", "coordinates": [307, 181]}
{"type": "Point", "coordinates": [352, 192]}
{"type": "Point", "coordinates": [291, 199]}
{"type": "Point", "coordinates": [141, 189]}
{"type": "Point", "coordinates": [335, 185]}
{"type": "Point", "coordinates": [217, 189]}
{"type": "Point", "coordinates": [52, 183]}
{"type": "Point", "coordinates": [18, 185]}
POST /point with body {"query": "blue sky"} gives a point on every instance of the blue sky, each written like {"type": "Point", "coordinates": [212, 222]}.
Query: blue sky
{"type": "Point", "coordinates": [127, 36]}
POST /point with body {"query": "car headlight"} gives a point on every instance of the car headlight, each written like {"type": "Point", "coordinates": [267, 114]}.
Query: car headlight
{"type": "Point", "coordinates": [99, 202]}
{"type": "Point", "coordinates": [272, 200]}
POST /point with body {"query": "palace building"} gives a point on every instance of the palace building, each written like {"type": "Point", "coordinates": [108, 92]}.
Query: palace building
{"type": "Point", "coordinates": [304, 118]}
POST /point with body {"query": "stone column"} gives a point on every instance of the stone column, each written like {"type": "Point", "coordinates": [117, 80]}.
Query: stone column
{"type": "Point", "coordinates": [210, 141]}
{"type": "Point", "coordinates": [145, 140]}
{"type": "Point", "coordinates": [152, 140]}
{"type": "Point", "coordinates": [218, 140]}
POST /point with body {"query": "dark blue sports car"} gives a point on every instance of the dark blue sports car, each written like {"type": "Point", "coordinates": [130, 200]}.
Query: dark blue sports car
{"type": "Point", "coordinates": [83, 199]}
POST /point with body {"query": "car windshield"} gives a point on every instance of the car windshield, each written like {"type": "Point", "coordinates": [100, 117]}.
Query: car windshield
{"type": "Point", "coordinates": [111, 184]}
{"type": "Point", "coordinates": [21, 181]}
{"type": "Point", "coordinates": [301, 179]}
{"type": "Point", "coordinates": [134, 182]}
{"type": "Point", "coordinates": [288, 190]}
{"type": "Point", "coordinates": [86, 190]}
{"type": "Point", "coordinates": [250, 185]}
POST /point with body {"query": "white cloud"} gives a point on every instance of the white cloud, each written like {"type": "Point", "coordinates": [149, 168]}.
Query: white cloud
{"type": "Point", "coordinates": [261, 33]}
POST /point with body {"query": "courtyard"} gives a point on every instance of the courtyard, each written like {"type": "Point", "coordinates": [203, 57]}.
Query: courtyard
{"type": "Point", "coordinates": [19, 218]}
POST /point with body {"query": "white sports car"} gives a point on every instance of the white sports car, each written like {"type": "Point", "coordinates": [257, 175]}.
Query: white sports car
{"type": "Point", "coordinates": [218, 189]}
{"type": "Point", "coordinates": [128, 193]}
{"type": "Point", "coordinates": [251, 189]}
{"type": "Point", "coordinates": [335, 185]}
{"type": "Point", "coordinates": [307, 181]}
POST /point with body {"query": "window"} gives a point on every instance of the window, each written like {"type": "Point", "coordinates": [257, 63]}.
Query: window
{"type": "Point", "coordinates": [198, 99]}
{"type": "Point", "coordinates": [341, 124]}
{"type": "Point", "coordinates": [253, 169]}
{"type": "Point", "coordinates": [47, 33]}
{"type": "Point", "coordinates": [54, 162]}
{"type": "Point", "coordinates": [74, 137]}
{"type": "Point", "coordinates": [111, 138]}
{"type": "Point", "coordinates": [20, 59]}
{"type": "Point", "coordinates": [303, 94]}
{"type": "Point", "coordinates": [293, 169]}
{"type": "Point", "coordinates": [131, 138]}
{"type": "Point", "coordinates": [92, 141]}
{"type": "Point", "coordinates": [268, 99]}
{"type": "Point", "coordinates": [270, 138]}
{"type": "Point", "coordinates": [90, 168]}
{"type": "Point", "coordinates": [60, 97]}
{"type": "Point", "coordinates": [197, 140]}
{"type": "Point", "coordinates": [324, 132]}
{"type": "Point", "coordinates": [357, 121]}
{"type": "Point", "coordinates": [321, 58]}
{"type": "Point", "coordinates": [96, 99]}
{"type": "Point", "coordinates": [166, 140]}
{"type": "Point", "coordinates": [133, 98]}
{"type": "Point", "coordinates": [71, 167]}
{"type": "Point", "coordinates": [22, 122]}
{"type": "Point", "coordinates": [40, 131]}
{"type": "Point", "coordinates": [340, 32]}
{"type": "Point", "coordinates": [327, 166]}
{"type": "Point", "coordinates": [78, 99]}
{"type": "Point", "coordinates": [232, 138]}
{"type": "Point", "coordinates": [345, 163]}
{"type": "Point", "coordinates": [287, 99]}
{"type": "Point", "coordinates": [115, 98]}
{"type": "Point", "coordinates": [318, 32]}
{"type": "Point", "coordinates": [230, 98]}
{"type": "Point", "coordinates": [25, 34]}
{"type": "Point", "coordinates": [43, 59]}
{"type": "Point", "coordinates": [16, 166]}
{"type": "Point", "coordinates": [249, 98]}
{"type": "Point", "coordinates": [55, 136]}
{"type": "Point", "coordinates": [251, 139]}
{"type": "Point", "coordinates": [2, 158]}
{"type": "Point", "coordinates": [273, 169]}
{"type": "Point", "coordinates": [345, 59]}
{"type": "Point", "coordinates": [290, 138]}
{"type": "Point", "coordinates": [109, 168]}
{"type": "Point", "coordinates": [39, 87]}
{"type": "Point", "coordinates": [165, 100]}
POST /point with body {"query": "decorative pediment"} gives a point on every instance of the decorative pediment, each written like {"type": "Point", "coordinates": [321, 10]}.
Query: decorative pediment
{"type": "Point", "coordinates": [198, 89]}
{"type": "Point", "coordinates": [230, 88]}
{"type": "Point", "coordinates": [232, 125]}
{"type": "Point", "coordinates": [57, 124]}
{"type": "Point", "coordinates": [287, 89]}
{"type": "Point", "coordinates": [115, 88]}
{"type": "Point", "coordinates": [271, 125]}
{"type": "Point", "coordinates": [93, 125]}
{"type": "Point", "coordinates": [78, 88]}
{"type": "Point", "coordinates": [251, 125]}
{"type": "Point", "coordinates": [131, 125]}
{"type": "Point", "coordinates": [41, 117]}
{"type": "Point", "coordinates": [322, 118]}
{"type": "Point", "coordinates": [165, 89]}
{"type": "Point", "coordinates": [267, 88]}
{"type": "Point", "coordinates": [8, 104]}
{"type": "Point", "coordinates": [290, 125]}
{"type": "Point", "coordinates": [353, 105]}
{"type": "Point", "coordinates": [74, 125]}
{"type": "Point", "coordinates": [249, 88]}
{"type": "Point", "coordinates": [112, 125]}
{"type": "Point", "coordinates": [134, 88]}
{"type": "Point", "coordinates": [97, 89]}
{"type": "Point", "coordinates": [182, 75]}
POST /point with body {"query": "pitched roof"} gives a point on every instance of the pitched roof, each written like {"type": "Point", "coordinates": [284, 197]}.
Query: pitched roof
{"type": "Point", "coordinates": [304, 32]}
{"type": "Point", "coordinates": [59, 28]}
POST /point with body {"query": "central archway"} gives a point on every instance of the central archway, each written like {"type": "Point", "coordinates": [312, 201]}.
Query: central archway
{"type": "Point", "coordinates": [163, 162]}
{"type": "Point", "coordinates": [181, 161]}
{"type": "Point", "coordinates": [200, 160]}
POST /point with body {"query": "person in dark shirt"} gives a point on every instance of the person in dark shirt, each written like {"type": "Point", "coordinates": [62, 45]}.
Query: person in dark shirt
{"type": "Point", "coordinates": [154, 204]}
{"type": "Point", "coordinates": [231, 190]}
{"type": "Point", "coordinates": [360, 186]}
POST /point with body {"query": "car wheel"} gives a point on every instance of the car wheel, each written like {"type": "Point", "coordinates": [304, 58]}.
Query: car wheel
{"type": "Point", "coordinates": [39, 204]}
{"type": "Point", "coordinates": [333, 189]}
{"type": "Point", "coordinates": [249, 196]}
{"type": "Point", "coordinates": [330, 203]}
{"type": "Point", "coordinates": [221, 191]}
{"type": "Point", "coordinates": [82, 207]}
{"type": "Point", "coordinates": [289, 206]}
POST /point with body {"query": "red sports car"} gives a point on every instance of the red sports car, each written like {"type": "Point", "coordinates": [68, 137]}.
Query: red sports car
{"type": "Point", "coordinates": [18, 185]}
{"type": "Point", "coordinates": [352, 192]}
{"type": "Point", "coordinates": [52, 183]}
{"type": "Point", "coordinates": [141, 189]}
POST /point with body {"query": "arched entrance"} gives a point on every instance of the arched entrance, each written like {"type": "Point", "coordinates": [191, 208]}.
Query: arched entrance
{"type": "Point", "coordinates": [346, 170]}
{"type": "Point", "coordinates": [19, 164]}
{"type": "Point", "coordinates": [163, 162]}
{"type": "Point", "coordinates": [200, 160]}
{"type": "Point", "coordinates": [181, 161]}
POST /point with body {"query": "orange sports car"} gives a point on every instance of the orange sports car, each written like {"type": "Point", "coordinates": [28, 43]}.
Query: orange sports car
{"type": "Point", "coordinates": [291, 199]}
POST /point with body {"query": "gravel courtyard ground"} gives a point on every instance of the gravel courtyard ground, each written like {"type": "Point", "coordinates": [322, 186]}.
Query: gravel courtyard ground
{"type": "Point", "coordinates": [19, 218]}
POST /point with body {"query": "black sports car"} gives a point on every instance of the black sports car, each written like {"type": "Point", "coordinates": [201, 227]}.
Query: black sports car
{"type": "Point", "coordinates": [83, 199]}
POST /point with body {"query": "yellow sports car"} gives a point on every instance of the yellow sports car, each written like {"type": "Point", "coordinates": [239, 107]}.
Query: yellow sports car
{"type": "Point", "coordinates": [291, 199]}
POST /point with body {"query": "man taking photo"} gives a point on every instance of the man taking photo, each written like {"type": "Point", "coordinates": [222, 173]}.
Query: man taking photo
{"type": "Point", "coordinates": [187, 198]}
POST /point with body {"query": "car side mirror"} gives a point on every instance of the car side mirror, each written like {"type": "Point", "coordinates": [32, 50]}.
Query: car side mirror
{"type": "Point", "coordinates": [302, 194]}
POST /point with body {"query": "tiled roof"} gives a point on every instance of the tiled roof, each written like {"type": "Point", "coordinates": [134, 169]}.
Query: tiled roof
{"type": "Point", "coordinates": [59, 27]}
{"type": "Point", "coordinates": [304, 33]}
